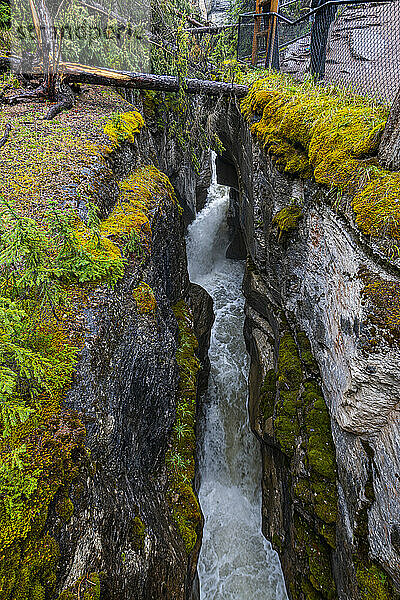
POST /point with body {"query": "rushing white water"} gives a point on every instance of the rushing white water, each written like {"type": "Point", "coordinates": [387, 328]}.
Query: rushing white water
{"type": "Point", "coordinates": [236, 562]}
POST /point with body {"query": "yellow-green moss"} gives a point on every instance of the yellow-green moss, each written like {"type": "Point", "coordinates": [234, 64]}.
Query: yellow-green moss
{"type": "Point", "coordinates": [290, 376]}
{"type": "Point", "coordinates": [384, 296]}
{"type": "Point", "coordinates": [86, 588]}
{"type": "Point", "coordinates": [320, 448]}
{"type": "Point", "coordinates": [331, 135]}
{"type": "Point", "coordinates": [324, 495]}
{"type": "Point", "coordinates": [300, 413]}
{"type": "Point", "coordinates": [65, 508]}
{"type": "Point", "coordinates": [180, 456]}
{"type": "Point", "coordinates": [46, 463]}
{"type": "Point", "coordinates": [373, 582]}
{"type": "Point", "coordinates": [309, 591]}
{"type": "Point", "coordinates": [144, 298]}
{"type": "Point", "coordinates": [300, 416]}
{"type": "Point", "coordinates": [288, 218]}
{"type": "Point", "coordinates": [127, 229]}
{"type": "Point", "coordinates": [290, 373]}
{"type": "Point", "coordinates": [137, 533]}
{"type": "Point", "coordinates": [57, 162]}
{"type": "Point", "coordinates": [318, 556]}
{"type": "Point", "coordinates": [28, 554]}
{"type": "Point", "coordinates": [268, 394]}
{"type": "Point", "coordinates": [305, 352]}
{"type": "Point", "coordinates": [123, 127]}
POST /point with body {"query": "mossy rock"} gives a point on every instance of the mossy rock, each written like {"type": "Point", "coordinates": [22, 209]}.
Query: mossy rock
{"type": "Point", "coordinates": [306, 354]}
{"type": "Point", "coordinates": [65, 508]}
{"type": "Point", "coordinates": [137, 533]}
{"type": "Point", "coordinates": [180, 456]}
{"type": "Point", "coordinates": [123, 127]}
{"type": "Point", "coordinates": [309, 591]}
{"type": "Point", "coordinates": [320, 569]}
{"type": "Point", "coordinates": [268, 394]}
{"type": "Point", "coordinates": [373, 582]}
{"type": "Point", "coordinates": [144, 298]}
{"type": "Point", "coordinates": [328, 531]}
{"type": "Point", "coordinates": [325, 499]}
{"type": "Point", "coordinates": [302, 491]}
{"type": "Point", "coordinates": [288, 218]}
{"type": "Point", "coordinates": [289, 365]}
{"type": "Point", "coordinates": [286, 431]}
{"type": "Point", "coordinates": [38, 591]}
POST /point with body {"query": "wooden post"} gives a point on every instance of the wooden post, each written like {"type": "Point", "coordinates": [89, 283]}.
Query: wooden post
{"type": "Point", "coordinates": [271, 36]}
{"type": "Point", "coordinates": [257, 21]}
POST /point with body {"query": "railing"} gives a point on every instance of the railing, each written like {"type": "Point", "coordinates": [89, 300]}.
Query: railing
{"type": "Point", "coordinates": [351, 42]}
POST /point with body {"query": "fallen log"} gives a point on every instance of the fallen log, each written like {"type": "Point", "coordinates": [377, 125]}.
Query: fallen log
{"type": "Point", "coordinates": [77, 73]}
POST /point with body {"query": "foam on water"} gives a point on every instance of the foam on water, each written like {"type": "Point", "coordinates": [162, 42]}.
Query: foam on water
{"type": "Point", "coordinates": [236, 562]}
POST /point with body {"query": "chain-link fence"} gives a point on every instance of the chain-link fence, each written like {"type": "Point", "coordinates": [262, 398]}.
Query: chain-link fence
{"type": "Point", "coordinates": [356, 45]}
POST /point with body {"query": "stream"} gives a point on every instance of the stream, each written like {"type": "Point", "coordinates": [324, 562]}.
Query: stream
{"type": "Point", "coordinates": [236, 562]}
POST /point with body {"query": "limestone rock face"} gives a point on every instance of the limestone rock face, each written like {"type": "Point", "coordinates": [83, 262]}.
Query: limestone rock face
{"type": "Point", "coordinates": [324, 382]}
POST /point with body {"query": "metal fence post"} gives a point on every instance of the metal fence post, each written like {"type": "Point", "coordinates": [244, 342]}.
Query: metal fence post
{"type": "Point", "coordinates": [319, 37]}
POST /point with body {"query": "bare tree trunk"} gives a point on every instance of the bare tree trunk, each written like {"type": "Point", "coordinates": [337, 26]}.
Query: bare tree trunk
{"type": "Point", "coordinates": [389, 149]}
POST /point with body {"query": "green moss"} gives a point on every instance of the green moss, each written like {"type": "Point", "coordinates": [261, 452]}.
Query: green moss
{"type": "Point", "coordinates": [137, 533]}
{"type": "Point", "coordinates": [288, 218]}
{"type": "Point", "coordinates": [319, 560]}
{"type": "Point", "coordinates": [38, 564]}
{"type": "Point", "coordinates": [65, 508]}
{"type": "Point", "coordinates": [180, 456]}
{"type": "Point", "coordinates": [373, 582]}
{"type": "Point", "coordinates": [306, 352]}
{"type": "Point", "coordinates": [301, 415]}
{"type": "Point", "coordinates": [384, 297]}
{"type": "Point", "coordinates": [268, 394]}
{"type": "Point", "coordinates": [286, 430]}
{"type": "Point", "coordinates": [277, 542]}
{"type": "Point", "coordinates": [290, 374]}
{"type": "Point", "coordinates": [320, 448]}
{"type": "Point", "coordinates": [302, 491]}
{"type": "Point", "coordinates": [144, 298]}
{"type": "Point", "coordinates": [38, 591]}
{"type": "Point", "coordinates": [187, 514]}
{"type": "Point", "coordinates": [22, 530]}
{"type": "Point", "coordinates": [324, 499]}
{"type": "Point", "coordinates": [328, 531]}
{"type": "Point", "coordinates": [308, 590]}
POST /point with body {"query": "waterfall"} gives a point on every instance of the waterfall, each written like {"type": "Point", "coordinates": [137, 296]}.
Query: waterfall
{"type": "Point", "coordinates": [236, 562]}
